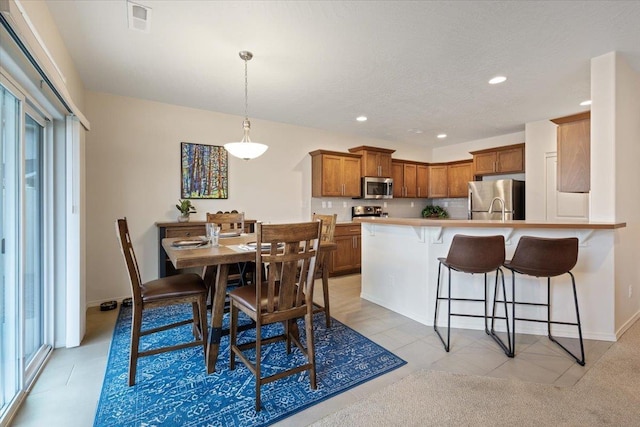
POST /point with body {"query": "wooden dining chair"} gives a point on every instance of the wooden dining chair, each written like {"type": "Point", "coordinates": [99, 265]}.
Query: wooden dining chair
{"type": "Point", "coordinates": [322, 262]}
{"type": "Point", "coordinates": [284, 296]}
{"type": "Point", "coordinates": [171, 290]}
{"type": "Point", "coordinates": [229, 221]}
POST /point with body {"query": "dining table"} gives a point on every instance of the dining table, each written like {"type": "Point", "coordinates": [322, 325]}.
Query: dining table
{"type": "Point", "coordinates": [216, 260]}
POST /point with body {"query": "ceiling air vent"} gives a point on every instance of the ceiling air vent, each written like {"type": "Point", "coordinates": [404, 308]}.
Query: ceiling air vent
{"type": "Point", "coordinates": [139, 17]}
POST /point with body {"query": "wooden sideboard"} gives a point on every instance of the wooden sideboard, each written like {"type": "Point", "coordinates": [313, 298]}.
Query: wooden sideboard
{"type": "Point", "coordinates": [183, 229]}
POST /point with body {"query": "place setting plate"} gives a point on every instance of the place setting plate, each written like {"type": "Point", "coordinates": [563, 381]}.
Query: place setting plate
{"type": "Point", "coordinates": [189, 243]}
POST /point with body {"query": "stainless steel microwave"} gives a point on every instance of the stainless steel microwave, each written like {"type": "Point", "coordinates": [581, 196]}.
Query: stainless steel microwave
{"type": "Point", "coordinates": [374, 187]}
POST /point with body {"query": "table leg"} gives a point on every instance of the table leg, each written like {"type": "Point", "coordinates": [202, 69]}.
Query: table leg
{"type": "Point", "coordinates": [217, 312]}
{"type": "Point", "coordinates": [325, 287]}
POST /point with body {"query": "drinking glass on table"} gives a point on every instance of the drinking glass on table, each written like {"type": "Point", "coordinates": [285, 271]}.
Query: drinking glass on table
{"type": "Point", "coordinates": [213, 233]}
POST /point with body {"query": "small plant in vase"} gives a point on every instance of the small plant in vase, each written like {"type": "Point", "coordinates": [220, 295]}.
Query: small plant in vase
{"type": "Point", "coordinates": [186, 208]}
{"type": "Point", "coordinates": [434, 211]}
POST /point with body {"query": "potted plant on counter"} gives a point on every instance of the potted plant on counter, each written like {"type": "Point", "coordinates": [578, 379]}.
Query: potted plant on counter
{"type": "Point", "coordinates": [186, 208]}
{"type": "Point", "coordinates": [434, 211]}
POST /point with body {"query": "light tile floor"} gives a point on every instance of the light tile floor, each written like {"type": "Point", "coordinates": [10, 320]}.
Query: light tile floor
{"type": "Point", "coordinates": [67, 391]}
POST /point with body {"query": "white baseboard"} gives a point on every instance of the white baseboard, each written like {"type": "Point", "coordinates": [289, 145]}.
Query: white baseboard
{"type": "Point", "coordinates": [627, 325]}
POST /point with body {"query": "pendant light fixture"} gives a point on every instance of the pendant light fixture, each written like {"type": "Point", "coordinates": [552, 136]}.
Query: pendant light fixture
{"type": "Point", "coordinates": [245, 149]}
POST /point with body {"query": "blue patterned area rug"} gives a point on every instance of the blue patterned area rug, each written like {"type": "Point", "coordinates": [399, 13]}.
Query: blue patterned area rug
{"type": "Point", "coordinates": [173, 389]}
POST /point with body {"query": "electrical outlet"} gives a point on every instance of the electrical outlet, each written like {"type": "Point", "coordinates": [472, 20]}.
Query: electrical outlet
{"type": "Point", "coordinates": [630, 291]}
{"type": "Point", "coordinates": [329, 205]}
{"type": "Point", "coordinates": [324, 205]}
{"type": "Point", "coordinates": [384, 205]}
{"type": "Point", "coordinates": [344, 204]}
{"type": "Point", "coordinates": [412, 204]}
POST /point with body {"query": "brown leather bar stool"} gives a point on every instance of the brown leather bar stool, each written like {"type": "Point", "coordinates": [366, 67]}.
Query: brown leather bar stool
{"type": "Point", "coordinates": [541, 257]}
{"type": "Point", "coordinates": [474, 254]}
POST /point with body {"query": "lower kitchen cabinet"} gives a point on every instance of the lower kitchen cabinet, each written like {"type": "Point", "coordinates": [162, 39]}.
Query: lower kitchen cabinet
{"type": "Point", "coordinates": [346, 259]}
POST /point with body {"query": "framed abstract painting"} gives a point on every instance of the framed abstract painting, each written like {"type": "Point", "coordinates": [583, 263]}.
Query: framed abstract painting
{"type": "Point", "coordinates": [204, 171]}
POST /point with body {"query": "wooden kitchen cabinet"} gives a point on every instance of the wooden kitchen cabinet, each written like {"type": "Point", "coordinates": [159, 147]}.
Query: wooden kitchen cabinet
{"type": "Point", "coordinates": [574, 153]}
{"type": "Point", "coordinates": [404, 174]}
{"type": "Point", "coordinates": [422, 180]}
{"type": "Point", "coordinates": [346, 259]}
{"type": "Point", "coordinates": [458, 176]}
{"type": "Point", "coordinates": [375, 161]}
{"type": "Point", "coordinates": [499, 160]}
{"type": "Point", "coordinates": [335, 174]}
{"type": "Point", "coordinates": [438, 181]}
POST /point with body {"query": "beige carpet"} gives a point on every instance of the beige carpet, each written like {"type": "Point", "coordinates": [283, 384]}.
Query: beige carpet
{"type": "Point", "coordinates": [608, 394]}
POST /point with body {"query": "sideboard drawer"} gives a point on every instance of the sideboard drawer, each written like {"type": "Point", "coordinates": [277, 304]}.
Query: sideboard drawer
{"type": "Point", "coordinates": [185, 231]}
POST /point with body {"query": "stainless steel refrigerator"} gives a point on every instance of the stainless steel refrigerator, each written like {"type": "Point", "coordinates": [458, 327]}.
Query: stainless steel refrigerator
{"type": "Point", "coordinates": [486, 199]}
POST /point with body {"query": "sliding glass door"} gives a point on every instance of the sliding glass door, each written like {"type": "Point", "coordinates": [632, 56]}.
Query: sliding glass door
{"type": "Point", "coordinates": [23, 297]}
{"type": "Point", "coordinates": [33, 277]}
{"type": "Point", "coordinates": [10, 120]}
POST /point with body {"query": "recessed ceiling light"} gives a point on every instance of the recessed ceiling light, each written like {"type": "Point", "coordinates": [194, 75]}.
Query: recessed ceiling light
{"type": "Point", "coordinates": [418, 131]}
{"type": "Point", "coordinates": [585, 103]}
{"type": "Point", "coordinates": [442, 135]}
{"type": "Point", "coordinates": [497, 79]}
{"type": "Point", "coordinates": [361, 118]}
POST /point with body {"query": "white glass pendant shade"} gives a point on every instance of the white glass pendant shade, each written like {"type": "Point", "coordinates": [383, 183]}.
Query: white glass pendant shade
{"type": "Point", "coordinates": [245, 149]}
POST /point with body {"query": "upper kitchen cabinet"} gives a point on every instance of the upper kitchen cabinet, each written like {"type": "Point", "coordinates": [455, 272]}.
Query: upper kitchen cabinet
{"type": "Point", "coordinates": [499, 160]}
{"type": "Point", "coordinates": [404, 177]}
{"type": "Point", "coordinates": [458, 176]}
{"type": "Point", "coordinates": [422, 180]}
{"type": "Point", "coordinates": [335, 174]}
{"type": "Point", "coordinates": [438, 181]}
{"type": "Point", "coordinates": [375, 161]}
{"type": "Point", "coordinates": [574, 153]}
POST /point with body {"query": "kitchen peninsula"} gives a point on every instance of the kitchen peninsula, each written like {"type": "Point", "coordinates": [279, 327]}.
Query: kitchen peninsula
{"type": "Point", "coordinates": [400, 268]}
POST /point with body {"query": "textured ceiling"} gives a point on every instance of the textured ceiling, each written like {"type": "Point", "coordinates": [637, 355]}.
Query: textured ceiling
{"type": "Point", "coordinates": [405, 65]}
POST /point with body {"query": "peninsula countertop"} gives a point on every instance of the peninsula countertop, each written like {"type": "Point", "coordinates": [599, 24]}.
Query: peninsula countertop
{"type": "Point", "coordinates": [461, 223]}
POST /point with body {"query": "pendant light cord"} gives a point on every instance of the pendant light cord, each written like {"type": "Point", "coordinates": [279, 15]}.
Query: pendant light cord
{"type": "Point", "coordinates": [246, 92]}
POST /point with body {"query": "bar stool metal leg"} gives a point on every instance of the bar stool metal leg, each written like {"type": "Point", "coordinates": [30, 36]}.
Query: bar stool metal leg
{"type": "Point", "coordinates": [581, 360]}
{"type": "Point", "coordinates": [435, 316]}
{"type": "Point", "coordinates": [508, 348]}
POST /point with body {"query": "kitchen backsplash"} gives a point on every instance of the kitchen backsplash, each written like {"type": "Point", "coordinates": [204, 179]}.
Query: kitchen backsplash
{"type": "Point", "coordinates": [396, 208]}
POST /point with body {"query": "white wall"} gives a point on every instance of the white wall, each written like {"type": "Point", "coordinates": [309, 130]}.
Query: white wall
{"type": "Point", "coordinates": [40, 17]}
{"type": "Point", "coordinates": [541, 139]}
{"type": "Point", "coordinates": [133, 170]}
{"type": "Point", "coordinates": [450, 153]}
{"type": "Point", "coordinates": [615, 150]}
